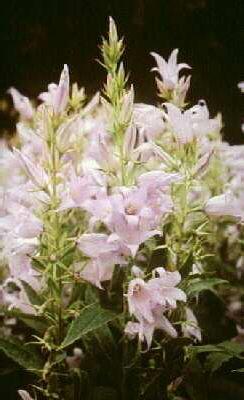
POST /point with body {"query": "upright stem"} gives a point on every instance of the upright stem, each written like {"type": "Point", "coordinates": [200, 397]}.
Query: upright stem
{"type": "Point", "coordinates": [56, 271]}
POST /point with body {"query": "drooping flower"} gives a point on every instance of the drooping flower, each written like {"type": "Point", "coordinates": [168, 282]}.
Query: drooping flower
{"type": "Point", "coordinates": [103, 254]}
{"type": "Point", "coordinates": [75, 360]}
{"type": "Point", "coordinates": [148, 302]}
{"type": "Point", "coordinates": [190, 327]}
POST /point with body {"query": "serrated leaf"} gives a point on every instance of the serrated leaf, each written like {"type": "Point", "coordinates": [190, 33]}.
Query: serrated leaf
{"type": "Point", "coordinates": [24, 355]}
{"type": "Point", "coordinates": [90, 319]}
{"type": "Point", "coordinates": [215, 360]}
{"type": "Point", "coordinates": [233, 348]}
{"type": "Point", "coordinates": [197, 285]}
{"type": "Point", "coordinates": [219, 353]}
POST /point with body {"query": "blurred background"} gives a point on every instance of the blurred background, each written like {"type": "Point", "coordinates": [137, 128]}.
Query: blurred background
{"type": "Point", "coordinates": [38, 37]}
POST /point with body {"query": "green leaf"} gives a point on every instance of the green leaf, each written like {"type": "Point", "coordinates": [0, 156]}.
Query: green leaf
{"type": "Point", "coordinates": [32, 295]}
{"type": "Point", "coordinates": [23, 354]}
{"type": "Point", "coordinates": [90, 319]}
{"type": "Point", "coordinates": [195, 286]}
{"type": "Point", "coordinates": [215, 360]}
{"type": "Point", "coordinates": [232, 347]}
{"type": "Point", "coordinates": [219, 353]}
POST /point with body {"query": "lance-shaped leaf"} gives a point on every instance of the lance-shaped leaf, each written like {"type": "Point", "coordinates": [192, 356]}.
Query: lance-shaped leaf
{"type": "Point", "coordinates": [90, 319]}
{"type": "Point", "coordinates": [196, 285]}
{"type": "Point", "coordinates": [23, 354]}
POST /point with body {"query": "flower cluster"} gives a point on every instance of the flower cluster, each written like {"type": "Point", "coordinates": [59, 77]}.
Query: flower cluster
{"type": "Point", "coordinates": [111, 198]}
{"type": "Point", "coordinates": [148, 301]}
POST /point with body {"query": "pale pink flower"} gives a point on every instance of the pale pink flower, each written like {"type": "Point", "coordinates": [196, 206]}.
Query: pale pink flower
{"type": "Point", "coordinates": [148, 301]}
{"type": "Point", "coordinates": [24, 395]}
{"type": "Point", "coordinates": [98, 270]}
{"type": "Point", "coordinates": [82, 190]}
{"type": "Point", "coordinates": [104, 254]}
{"type": "Point", "coordinates": [137, 271]}
{"type": "Point", "coordinates": [193, 123]}
{"type": "Point", "coordinates": [241, 86]}
{"type": "Point", "coordinates": [139, 299]}
{"type": "Point", "coordinates": [68, 133]}
{"type": "Point", "coordinates": [163, 288]}
{"type": "Point", "coordinates": [169, 70]}
{"type": "Point", "coordinates": [131, 232]}
{"type": "Point", "coordinates": [145, 330]}
{"type": "Point", "coordinates": [190, 327]}
{"type": "Point", "coordinates": [58, 95]}
{"type": "Point", "coordinates": [95, 244]}
{"type": "Point", "coordinates": [180, 93]}
{"type": "Point", "coordinates": [75, 360]}
{"type": "Point", "coordinates": [201, 123]}
{"type": "Point", "coordinates": [20, 268]}
{"type": "Point", "coordinates": [100, 150]}
{"type": "Point", "coordinates": [223, 205]}
{"type": "Point", "coordinates": [149, 120]}
{"type": "Point", "coordinates": [158, 180]}
{"type": "Point", "coordinates": [32, 143]}
{"type": "Point", "coordinates": [17, 298]}
{"type": "Point", "coordinates": [179, 123]}
{"type": "Point", "coordinates": [33, 170]}
{"type": "Point", "coordinates": [22, 104]}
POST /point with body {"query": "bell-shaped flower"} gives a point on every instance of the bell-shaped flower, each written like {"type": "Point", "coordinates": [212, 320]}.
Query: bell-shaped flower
{"type": "Point", "coordinates": [179, 123]}
{"type": "Point", "coordinates": [190, 327]}
{"type": "Point", "coordinates": [148, 302]}
{"type": "Point", "coordinates": [131, 230]}
{"type": "Point", "coordinates": [24, 395]}
{"type": "Point", "coordinates": [82, 190]}
{"type": "Point", "coordinates": [22, 104]}
{"type": "Point", "coordinates": [16, 298]}
{"type": "Point", "coordinates": [163, 288]}
{"type": "Point", "coordinates": [33, 170]}
{"type": "Point", "coordinates": [241, 86]}
{"type": "Point", "coordinates": [179, 95]}
{"type": "Point", "coordinates": [57, 96]}
{"type": "Point", "coordinates": [169, 70]}
{"type": "Point", "coordinates": [74, 361]}
{"type": "Point", "coordinates": [95, 244]}
{"type": "Point", "coordinates": [223, 205]}
{"type": "Point", "coordinates": [32, 143]}
{"type": "Point", "coordinates": [103, 253]}
{"type": "Point", "coordinates": [201, 123]}
{"type": "Point", "coordinates": [139, 299]}
{"type": "Point", "coordinates": [149, 121]}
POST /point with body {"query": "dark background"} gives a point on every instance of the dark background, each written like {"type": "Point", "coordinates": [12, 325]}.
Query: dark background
{"type": "Point", "coordinates": [37, 37]}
